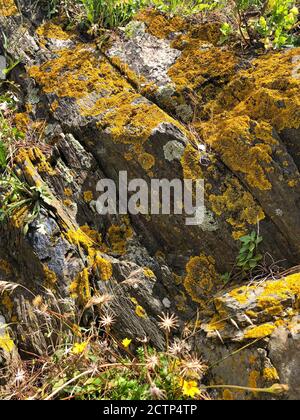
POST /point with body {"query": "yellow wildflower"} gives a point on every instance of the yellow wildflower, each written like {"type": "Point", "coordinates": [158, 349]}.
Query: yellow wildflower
{"type": "Point", "coordinates": [6, 343]}
{"type": "Point", "coordinates": [79, 348]}
{"type": "Point", "coordinates": [190, 388]}
{"type": "Point", "coordinates": [126, 342]}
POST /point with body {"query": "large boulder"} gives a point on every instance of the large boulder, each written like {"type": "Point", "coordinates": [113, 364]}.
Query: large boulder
{"type": "Point", "coordinates": [161, 99]}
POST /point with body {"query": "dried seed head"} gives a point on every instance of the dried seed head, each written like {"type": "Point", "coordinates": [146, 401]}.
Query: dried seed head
{"type": "Point", "coordinates": [168, 322]}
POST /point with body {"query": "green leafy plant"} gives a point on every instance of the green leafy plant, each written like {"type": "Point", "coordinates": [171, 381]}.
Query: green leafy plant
{"type": "Point", "coordinates": [226, 31]}
{"type": "Point", "coordinates": [8, 135]}
{"type": "Point", "coordinates": [277, 24]}
{"type": "Point", "coordinates": [249, 257]}
{"type": "Point", "coordinates": [110, 13]}
{"type": "Point", "coordinates": [184, 7]}
{"type": "Point", "coordinates": [271, 22]}
{"type": "Point", "coordinates": [17, 196]}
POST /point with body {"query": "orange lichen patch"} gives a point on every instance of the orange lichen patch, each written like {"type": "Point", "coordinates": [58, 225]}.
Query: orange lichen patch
{"type": "Point", "coordinates": [272, 296]}
{"type": "Point", "coordinates": [238, 205]}
{"type": "Point", "coordinates": [241, 294]}
{"type": "Point", "coordinates": [147, 161]}
{"type": "Point", "coordinates": [129, 120]}
{"type": "Point", "coordinates": [8, 8]}
{"type": "Point", "coordinates": [100, 91]}
{"type": "Point", "coordinates": [198, 64]}
{"type": "Point", "coordinates": [88, 196]}
{"type": "Point", "coordinates": [202, 278]}
{"type": "Point", "coordinates": [242, 118]}
{"type": "Point", "coordinates": [118, 237]}
{"type": "Point", "coordinates": [22, 121]}
{"type": "Point", "coordinates": [50, 278]}
{"type": "Point", "coordinates": [190, 163]}
{"type": "Point", "coordinates": [280, 290]}
{"type": "Point", "coordinates": [261, 331]}
{"type": "Point", "coordinates": [5, 267]}
{"type": "Point", "coordinates": [94, 235]}
{"type": "Point", "coordinates": [19, 217]}
{"type": "Point", "coordinates": [88, 239]}
{"type": "Point", "coordinates": [265, 94]}
{"type": "Point", "coordinates": [103, 268]}
{"type": "Point", "coordinates": [253, 379]}
{"type": "Point", "coordinates": [216, 324]}
{"type": "Point", "coordinates": [234, 139]}
{"type": "Point", "coordinates": [73, 73]}
{"type": "Point", "coordinates": [33, 161]}
{"type": "Point", "coordinates": [160, 25]}
{"type": "Point", "coordinates": [52, 31]}
{"type": "Point", "coordinates": [271, 374]}
{"type": "Point", "coordinates": [80, 287]}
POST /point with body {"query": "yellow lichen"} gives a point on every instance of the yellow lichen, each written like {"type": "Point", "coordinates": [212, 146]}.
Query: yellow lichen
{"type": "Point", "coordinates": [271, 374]}
{"type": "Point", "coordinates": [50, 278]}
{"type": "Point", "coordinates": [52, 31]}
{"type": "Point", "coordinates": [118, 237]}
{"type": "Point", "coordinates": [190, 163]}
{"type": "Point", "coordinates": [22, 121]}
{"type": "Point", "coordinates": [242, 118]}
{"type": "Point", "coordinates": [147, 161]}
{"type": "Point", "coordinates": [240, 149]}
{"type": "Point", "coordinates": [103, 268]}
{"type": "Point", "coordinates": [120, 110]}
{"type": "Point", "coordinates": [197, 65]}
{"type": "Point", "coordinates": [241, 295]}
{"type": "Point", "coordinates": [80, 287]}
{"type": "Point", "coordinates": [272, 296]}
{"type": "Point", "coordinates": [68, 203]}
{"type": "Point", "coordinates": [238, 205]}
{"type": "Point", "coordinates": [253, 379]}
{"type": "Point", "coordinates": [159, 24]}
{"type": "Point", "coordinates": [8, 8]}
{"type": "Point", "coordinates": [261, 331]}
{"type": "Point", "coordinates": [202, 278]}
{"type": "Point", "coordinates": [33, 160]}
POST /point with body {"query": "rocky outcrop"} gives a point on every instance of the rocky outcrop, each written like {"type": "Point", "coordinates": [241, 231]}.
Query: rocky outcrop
{"type": "Point", "coordinates": [162, 99]}
{"type": "Point", "coordinates": [254, 336]}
